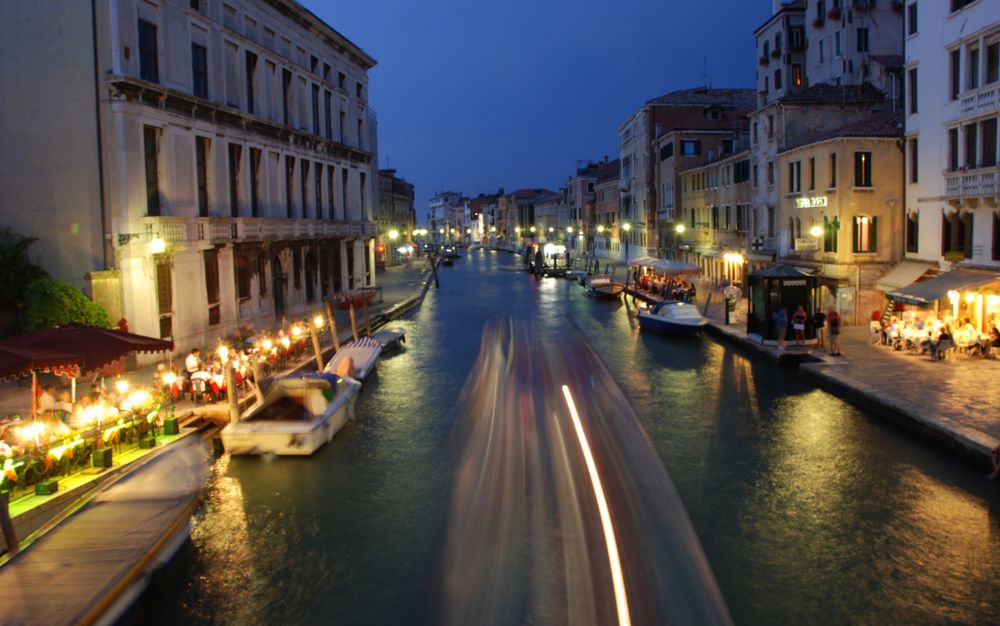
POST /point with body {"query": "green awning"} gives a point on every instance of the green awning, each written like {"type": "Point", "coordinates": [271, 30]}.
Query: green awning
{"type": "Point", "coordinates": [926, 292]}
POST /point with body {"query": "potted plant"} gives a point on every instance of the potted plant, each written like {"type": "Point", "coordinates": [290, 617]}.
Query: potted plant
{"type": "Point", "coordinates": [818, 23]}
{"type": "Point", "coordinates": [834, 13]}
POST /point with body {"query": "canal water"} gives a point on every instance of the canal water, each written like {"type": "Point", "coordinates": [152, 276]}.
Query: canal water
{"type": "Point", "coordinates": [808, 510]}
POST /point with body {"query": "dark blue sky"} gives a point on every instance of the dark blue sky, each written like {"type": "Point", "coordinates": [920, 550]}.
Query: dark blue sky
{"type": "Point", "coordinates": [473, 95]}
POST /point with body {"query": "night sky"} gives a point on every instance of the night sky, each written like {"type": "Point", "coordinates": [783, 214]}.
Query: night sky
{"type": "Point", "coordinates": [472, 96]}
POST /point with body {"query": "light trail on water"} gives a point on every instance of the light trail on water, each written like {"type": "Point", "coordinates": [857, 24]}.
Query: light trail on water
{"type": "Point", "coordinates": [621, 597]}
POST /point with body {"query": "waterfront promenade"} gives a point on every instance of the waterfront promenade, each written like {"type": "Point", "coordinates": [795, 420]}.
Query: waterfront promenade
{"type": "Point", "coordinates": [951, 401]}
{"type": "Point", "coordinates": [400, 288]}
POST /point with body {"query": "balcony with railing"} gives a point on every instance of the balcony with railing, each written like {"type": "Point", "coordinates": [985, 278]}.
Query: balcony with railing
{"type": "Point", "coordinates": [972, 184]}
{"type": "Point", "coordinates": [982, 101]}
{"type": "Point", "coordinates": [221, 230]}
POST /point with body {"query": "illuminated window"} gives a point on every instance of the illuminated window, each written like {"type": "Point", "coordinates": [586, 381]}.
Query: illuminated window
{"type": "Point", "coordinates": [865, 233]}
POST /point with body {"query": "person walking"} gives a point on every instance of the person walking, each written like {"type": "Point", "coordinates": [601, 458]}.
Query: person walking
{"type": "Point", "coordinates": [819, 323]}
{"type": "Point", "coordinates": [781, 326]}
{"type": "Point", "coordinates": [833, 320]}
{"type": "Point", "coordinates": [799, 325]}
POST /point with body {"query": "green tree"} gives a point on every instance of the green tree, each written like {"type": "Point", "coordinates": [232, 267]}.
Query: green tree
{"type": "Point", "coordinates": [17, 271]}
{"type": "Point", "coordinates": [49, 303]}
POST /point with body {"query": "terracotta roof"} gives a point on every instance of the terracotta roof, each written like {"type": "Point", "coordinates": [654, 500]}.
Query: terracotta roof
{"type": "Point", "coordinates": [705, 96]}
{"type": "Point", "coordinates": [877, 125]}
{"type": "Point", "coordinates": [826, 93]}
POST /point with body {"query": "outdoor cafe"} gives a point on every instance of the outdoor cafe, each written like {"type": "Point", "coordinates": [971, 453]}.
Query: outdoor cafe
{"type": "Point", "coordinates": [955, 311]}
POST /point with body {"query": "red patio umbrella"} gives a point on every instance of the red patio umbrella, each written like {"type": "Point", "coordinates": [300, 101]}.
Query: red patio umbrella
{"type": "Point", "coordinates": [17, 361]}
{"type": "Point", "coordinates": [94, 347]}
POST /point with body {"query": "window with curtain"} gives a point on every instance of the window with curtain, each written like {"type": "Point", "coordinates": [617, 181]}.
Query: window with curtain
{"type": "Point", "coordinates": [862, 169]}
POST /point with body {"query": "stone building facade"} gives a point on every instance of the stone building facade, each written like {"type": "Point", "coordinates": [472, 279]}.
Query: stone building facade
{"type": "Point", "coordinates": [208, 164]}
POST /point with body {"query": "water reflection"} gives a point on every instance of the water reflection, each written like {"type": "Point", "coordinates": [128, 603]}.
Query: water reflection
{"type": "Point", "coordinates": [808, 510]}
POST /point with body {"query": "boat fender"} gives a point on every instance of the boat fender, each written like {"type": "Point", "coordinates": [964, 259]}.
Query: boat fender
{"type": "Point", "coordinates": [346, 368]}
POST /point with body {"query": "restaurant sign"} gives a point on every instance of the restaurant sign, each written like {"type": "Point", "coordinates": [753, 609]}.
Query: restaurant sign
{"type": "Point", "coordinates": [813, 202]}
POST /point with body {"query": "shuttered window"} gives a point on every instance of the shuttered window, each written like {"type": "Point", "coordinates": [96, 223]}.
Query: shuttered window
{"type": "Point", "coordinates": [164, 298]}
{"type": "Point", "coordinates": [212, 286]}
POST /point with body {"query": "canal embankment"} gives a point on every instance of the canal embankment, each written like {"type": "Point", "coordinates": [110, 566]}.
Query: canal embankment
{"type": "Point", "coordinates": [402, 289]}
{"type": "Point", "coordinates": [948, 402]}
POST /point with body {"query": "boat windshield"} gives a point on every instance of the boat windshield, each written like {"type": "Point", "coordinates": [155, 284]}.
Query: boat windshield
{"type": "Point", "coordinates": [685, 311]}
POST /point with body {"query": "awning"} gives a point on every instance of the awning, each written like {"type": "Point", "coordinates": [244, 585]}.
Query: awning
{"type": "Point", "coordinates": [926, 292]}
{"type": "Point", "coordinates": [905, 273]}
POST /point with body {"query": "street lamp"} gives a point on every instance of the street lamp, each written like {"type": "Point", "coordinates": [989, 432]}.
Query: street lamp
{"type": "Point", "coordinates": [679, 238]}
{"type": "Point", "coordinates": [816, 231]}
{"type": "Point", "coordinates": [627, 228]}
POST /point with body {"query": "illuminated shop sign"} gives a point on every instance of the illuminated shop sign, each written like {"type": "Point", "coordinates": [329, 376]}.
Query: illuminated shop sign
{"type": "Point", "coordinates": [811, 203]}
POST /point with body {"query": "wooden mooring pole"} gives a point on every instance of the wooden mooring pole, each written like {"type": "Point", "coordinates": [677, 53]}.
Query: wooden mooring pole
{"type": "Point", "coordinates": [333, 327]}
{"type": "Point", "coordinates": [7, 525]}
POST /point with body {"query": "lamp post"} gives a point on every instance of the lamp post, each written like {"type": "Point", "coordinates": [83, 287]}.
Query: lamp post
{"type": "Point", "coordinates": [627, 227]}
{"type": "Point", "coordinates": [679, 238]}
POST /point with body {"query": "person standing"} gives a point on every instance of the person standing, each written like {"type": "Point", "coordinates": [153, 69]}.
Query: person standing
{"type": "Point", "coordinates": [819, 323]}
{"type": "Point", "coordinates": [833, 319]}
{"type": "Point", "coordinates": [781, 326]}
{"type": "Point", "coordinates": [799, 325]}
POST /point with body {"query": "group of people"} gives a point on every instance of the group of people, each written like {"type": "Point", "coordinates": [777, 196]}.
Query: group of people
{"type": "Point", "coordinates": [665, 288]}
{"type": "Point", "coordinates": [936, 335]}
{"type": "Point", "coordinates": [821, 323]}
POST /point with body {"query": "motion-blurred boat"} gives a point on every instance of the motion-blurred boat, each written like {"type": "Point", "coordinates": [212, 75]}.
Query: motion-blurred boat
{"type": "Point", "coordinates": [298, 415]}
{"type": "Point", "coordinates": [355, 359]}
{"type": "Point", "coordinates": [92, 565]}
{"type": "Point", "coordinates": [673, 318]}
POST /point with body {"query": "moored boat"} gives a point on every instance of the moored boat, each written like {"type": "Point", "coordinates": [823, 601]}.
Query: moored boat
{"type": "Point", "coordinates": [673, 318]}
{"type": "Point", "coordinates": [390, 337]}
{"type": "Point", "coordinates": [355, 359]}
{"type": "Point", "coordinates": [603, 287]}
{"type": "Point", "coordinates": [298, 414]}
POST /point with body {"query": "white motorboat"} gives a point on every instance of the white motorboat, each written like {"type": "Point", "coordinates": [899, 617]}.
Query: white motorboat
{"type": "Point", "coordinates": [576, 274]}
{"type": "Point", "coordinates": [355, 359]}
{"type": "Point", "coordinates": [603, 287]}
{"type": "Point", "coordinates": [390, 337]}
{"type": "Point", "coordinates": [673, 318]}
{"type": "Point", "coordinates": [299, 414]}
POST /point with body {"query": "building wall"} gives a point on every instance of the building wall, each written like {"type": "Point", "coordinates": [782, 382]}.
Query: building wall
{"type": "Point", "coordinates": [780, 54]}
{"type": "Point", "coordinates": [844, 202]}
{"type": "Point", "coordinates": [970, 191]}
{"type": "Point", "coordinates": [160, 228]}
{"type": "Point", "coordinates": [48, 135]}
{"type": "Point", "coordinates": [851, 65]}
